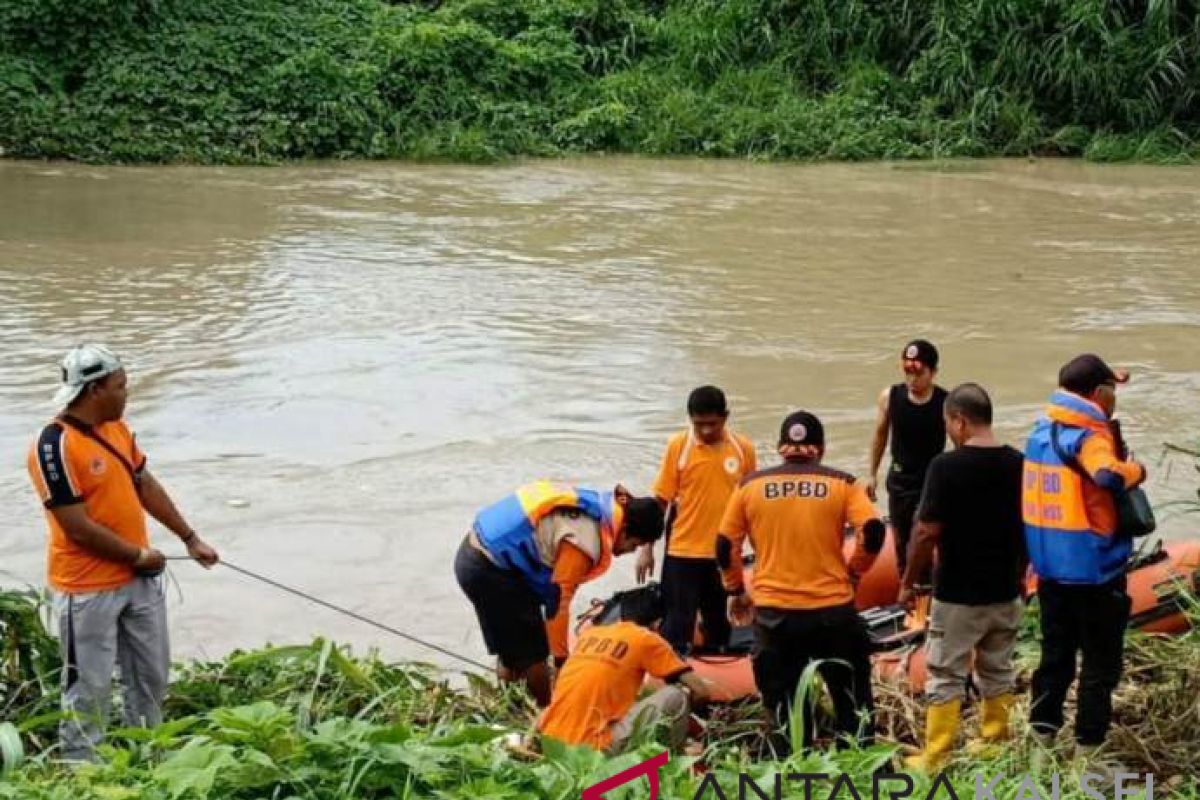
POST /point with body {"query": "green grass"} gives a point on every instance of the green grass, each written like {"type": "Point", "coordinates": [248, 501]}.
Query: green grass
{"type": "Point", "coordinates": [314, 723]}
{"type": "Point", "coordinates": [480, 80]}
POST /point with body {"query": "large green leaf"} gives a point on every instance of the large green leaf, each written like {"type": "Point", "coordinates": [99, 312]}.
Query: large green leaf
{"type": "Point", "coordinates": [193, 770]}
{"type": "Point", "coordinates": [12, 752]}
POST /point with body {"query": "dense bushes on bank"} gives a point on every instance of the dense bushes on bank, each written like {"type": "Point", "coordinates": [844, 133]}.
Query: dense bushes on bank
{"type": "Point", "coordinates": [314, 722]}
{"type": "Point", "coordinates": [261, 80]}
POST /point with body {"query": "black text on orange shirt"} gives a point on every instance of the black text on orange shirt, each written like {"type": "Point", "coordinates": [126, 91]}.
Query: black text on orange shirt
{"type": "Point", "coordinates": [598, 646]}
{"type": "Point", "coordinates": [780, 490]}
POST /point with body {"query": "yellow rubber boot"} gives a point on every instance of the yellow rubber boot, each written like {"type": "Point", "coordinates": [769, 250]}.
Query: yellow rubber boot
{"type": "Point", "coordinates": [993, 724]}
{"type": "Point", "coordinates": [941, 728]}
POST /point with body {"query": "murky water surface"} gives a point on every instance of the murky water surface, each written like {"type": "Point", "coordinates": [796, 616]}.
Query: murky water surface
{"type": "Point", "coordinates": [333, 366]}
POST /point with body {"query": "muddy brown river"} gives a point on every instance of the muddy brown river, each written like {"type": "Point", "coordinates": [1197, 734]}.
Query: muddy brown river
{"type": "Point", "coordinates": [332, 366]}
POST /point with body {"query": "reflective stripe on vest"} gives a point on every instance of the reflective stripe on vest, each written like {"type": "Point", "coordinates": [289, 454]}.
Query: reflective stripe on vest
{"type": "Point", "coordinates": [1063, 546]}
{"type": "Point", "coordinates": [507, 529]}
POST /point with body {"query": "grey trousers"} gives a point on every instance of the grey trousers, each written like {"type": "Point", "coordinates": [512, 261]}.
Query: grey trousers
{"type": "Point", "coordinates": [99, 631]}
{"type": "Point", "coordinates": [668, 705]}
{"type": "Point", "coordinates": [958, 632]}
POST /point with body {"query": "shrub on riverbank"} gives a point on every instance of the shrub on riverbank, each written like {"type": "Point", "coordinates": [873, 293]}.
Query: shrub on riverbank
{"type": "Point", "coordinates": [313, 722]}
{"type": "Point", "coordinates": [229, 81]}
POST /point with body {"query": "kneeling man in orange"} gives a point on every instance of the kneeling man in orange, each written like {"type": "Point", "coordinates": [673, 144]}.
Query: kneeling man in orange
{"type": "Point", "coordinates": [595, 698]}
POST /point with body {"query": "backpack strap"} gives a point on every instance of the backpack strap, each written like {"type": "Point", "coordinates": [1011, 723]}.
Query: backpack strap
{"type": "Point", "coordinates": [1069, 461]}
{"type": "Point", "coordinates": [731, 437]}
{"type": "Point", "coordinates": [690, 442]}
{"type": "Point", "coordinates": [685, 451]}
{"type": "Point", "coordinates": [90, 432]}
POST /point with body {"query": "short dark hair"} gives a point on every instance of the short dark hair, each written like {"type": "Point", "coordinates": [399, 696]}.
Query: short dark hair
{"type": "Point", "coordinates": [707, 400]}
{"type": "Point", "coordinates": [970, 401]}
{"type": "Point", "coordinates": [643, 606]}
{"type": "Point", "coordinates": [88, 388]}
{"type": "Point", "coordinates": [644, 519]}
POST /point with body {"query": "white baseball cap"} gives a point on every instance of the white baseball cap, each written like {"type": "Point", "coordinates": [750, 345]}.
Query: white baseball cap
{"type": "Point", "coordinates": [82, 365]}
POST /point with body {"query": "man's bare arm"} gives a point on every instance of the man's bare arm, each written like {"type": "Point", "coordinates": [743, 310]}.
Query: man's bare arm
{"type": "Point", "coordinates": [159, 505]}
{"type": "Point", "coordinates": [94, 537]}
{"type": "Point", "coordinates": [920, 555]}
{"type": "Point", "coordinates": [879, 440]}
{"type": "Point", "coordinates": [701, 689]}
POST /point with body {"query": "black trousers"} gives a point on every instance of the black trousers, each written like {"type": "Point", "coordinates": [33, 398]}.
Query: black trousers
{"type": "Point", "coordinates": [691, 585]}
{"type": "Point", "coordinates": [509, 611]}
{"type": "Point", "coordinates": [786, 642]}
{"type": "Point", "coordinates": [1079, 619]}
{"type": "Point", "coordinates": [902, 512]}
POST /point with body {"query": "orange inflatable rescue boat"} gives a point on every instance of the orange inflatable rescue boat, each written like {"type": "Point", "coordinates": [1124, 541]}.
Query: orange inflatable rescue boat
{"type": "Point", "coordinates": [1160, 582]}
{"type": "Point", "coordinates": [1158, 585]}
{"type": "Point", "coordinates": [896, 637]}
{"type": "Point", "coordinates": [881, 585]}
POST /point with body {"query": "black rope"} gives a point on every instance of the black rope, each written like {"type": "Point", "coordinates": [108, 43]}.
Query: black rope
{"type": "Point", "coordinates": [345, 611]}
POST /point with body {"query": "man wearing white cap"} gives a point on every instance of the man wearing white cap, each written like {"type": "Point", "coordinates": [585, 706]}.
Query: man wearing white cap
{"type": "Point", "coordinates": [92, 480]}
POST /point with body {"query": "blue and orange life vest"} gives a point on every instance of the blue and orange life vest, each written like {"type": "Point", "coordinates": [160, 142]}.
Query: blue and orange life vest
{"type": "Point", "coordinates": [1068, 540]}
{"type": "Point", "coordinates": [508, 530]}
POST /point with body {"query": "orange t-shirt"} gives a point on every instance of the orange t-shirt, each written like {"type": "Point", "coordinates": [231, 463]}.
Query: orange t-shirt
{"type": "Point", "coordinates": [68, 467]}
{"type": "Point", "coordinates": [795, 515]}
{"type": "Point", "coordinates": [699, 478]}
{"type": "Point", "coordinates": [599, 683]}
{"type": "Point", "coordinates": [571, 568]}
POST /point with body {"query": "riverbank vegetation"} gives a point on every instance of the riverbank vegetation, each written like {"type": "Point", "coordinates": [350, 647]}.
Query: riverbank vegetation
{"type": "Point", "coordinates": [313, 722]}
{"type": "Point", "coordinates": [247, 81]}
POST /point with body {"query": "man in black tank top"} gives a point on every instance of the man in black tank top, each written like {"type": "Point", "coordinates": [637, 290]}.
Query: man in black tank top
{"type": "Point", "coordinates": [910, 415]}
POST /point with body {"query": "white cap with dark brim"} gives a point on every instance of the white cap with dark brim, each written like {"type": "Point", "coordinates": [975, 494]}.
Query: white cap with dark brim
{"type": "Point", "coordinates": [81, 366]}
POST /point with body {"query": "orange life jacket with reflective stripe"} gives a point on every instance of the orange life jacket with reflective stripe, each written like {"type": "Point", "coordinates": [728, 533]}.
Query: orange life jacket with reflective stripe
{"type": "Point", "coordinates": [1064, 543]}
{"type": "Point", "coordinates": [508, 529]}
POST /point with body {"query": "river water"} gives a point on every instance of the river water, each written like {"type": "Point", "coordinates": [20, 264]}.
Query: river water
{"type": "Point", "coordinates": [332, 366]}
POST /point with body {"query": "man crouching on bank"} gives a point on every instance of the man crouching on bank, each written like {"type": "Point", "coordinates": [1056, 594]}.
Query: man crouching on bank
{"type": "Point", "coordinates": [595, 697]}
{"type": "Point", "coordinates": [530, 552]}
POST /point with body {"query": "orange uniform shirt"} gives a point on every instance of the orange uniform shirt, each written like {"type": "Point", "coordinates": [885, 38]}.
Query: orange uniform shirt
{"type": "Point", "coordinates": [571, 568]}
{"type": "Point", "coordinates": [68, 467]}
{"type": "Point", "coordinates": [795, 516]}
{"type": "Point", "coordinates": [699, 478]}
{"type": "Point", "coordinates": [600, 682]}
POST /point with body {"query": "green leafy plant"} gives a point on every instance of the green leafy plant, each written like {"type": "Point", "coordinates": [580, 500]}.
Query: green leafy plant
{"type": "Point", "coordinates": [29, 665]}
{"type": "Point", "coordinates": [314, 722]}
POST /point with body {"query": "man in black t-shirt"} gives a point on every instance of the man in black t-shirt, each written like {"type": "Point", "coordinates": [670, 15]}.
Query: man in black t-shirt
{"type": "Point", "coordinates": [910, 416]}
{"type": "Point", "coordinates": [971, 513]}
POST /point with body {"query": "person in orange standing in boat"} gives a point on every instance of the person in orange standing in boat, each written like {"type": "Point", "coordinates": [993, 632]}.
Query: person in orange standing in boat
{"type": "Point", "coordinates": [802, 600]}
{"type": "Point", "coordinates": [910, 416]}
{"type": "Point", "coordinates": [529, 552]}
{"type": "Point", "coordinates": [699, 471]}
{"type": "Point", "coordinates": [595, 697]}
